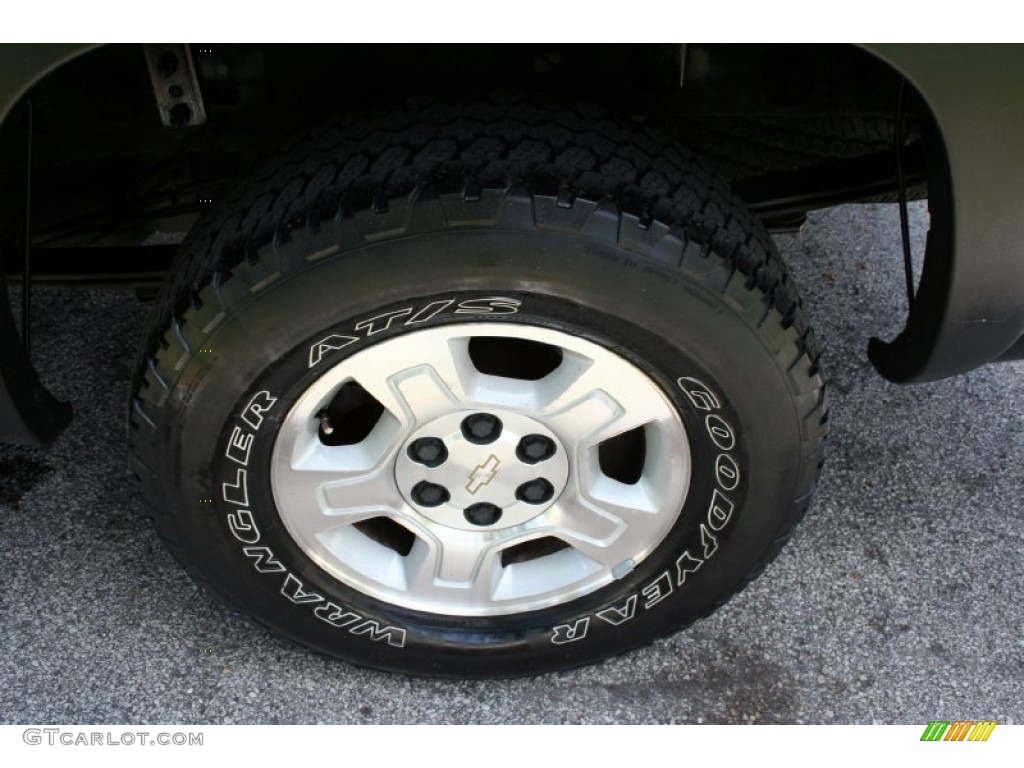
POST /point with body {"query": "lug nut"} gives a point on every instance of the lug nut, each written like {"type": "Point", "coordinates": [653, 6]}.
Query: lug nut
{"type": "Point", "coordinates": [429, 494]}
{"type": "Point", "coordinates": [481, 428]}
{"type": "Point", "coordinates": [535, 491]}
{"type": "Point", "coordinates": [483, 513]}
{"type": "Point", "coordinates": [429, 451]}
{"type": "Point", "coordinates": [533, 449]}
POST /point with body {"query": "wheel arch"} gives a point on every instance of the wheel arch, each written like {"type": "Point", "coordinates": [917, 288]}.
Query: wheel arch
{"type": "Point", "coordinates": [968, 312]}
{"type": "Point", "coordinates": [968, 309]}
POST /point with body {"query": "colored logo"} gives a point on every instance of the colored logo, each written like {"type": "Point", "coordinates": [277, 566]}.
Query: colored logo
{"type": "Point", "coordinates": [483, 474]}
{"type": "Point", "coordinates": [958, 730]}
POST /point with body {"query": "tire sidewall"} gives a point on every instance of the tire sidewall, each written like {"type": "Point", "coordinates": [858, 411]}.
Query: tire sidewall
{"type": "Point", "coordinates": [704, 352]}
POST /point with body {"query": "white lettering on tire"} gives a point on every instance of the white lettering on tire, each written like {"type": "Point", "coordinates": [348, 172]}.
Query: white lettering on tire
{"type": "Point", "coordinates": [619, 615]}
{"type": "Point", "coordinates": [242, 525]}
{"type": "Point", "coordinates": [718, 515]}
{"type": "Point", "coordinates": [362, 329]}
{"type": "Point", "coordinates": [570, 633]}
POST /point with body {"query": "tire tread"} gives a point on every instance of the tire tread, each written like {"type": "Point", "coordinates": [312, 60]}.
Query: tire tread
{"type": "Point", "coordinates": [610, 179]}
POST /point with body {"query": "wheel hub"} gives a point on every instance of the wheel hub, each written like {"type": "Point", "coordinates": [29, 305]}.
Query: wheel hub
{"type": "Point", "coordinates": [506, 467]}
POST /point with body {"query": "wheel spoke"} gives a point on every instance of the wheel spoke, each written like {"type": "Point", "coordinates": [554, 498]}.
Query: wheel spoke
{"type": "Point", "coordinates": [373, 492]}
{"type": "Point", "coordinates": [428, 385]}
{"type": "Point", "coordinates": [327, 488]}
{"type": "Point", "coordinates": [422, 394]}
{"type": "Point", "coordinates": [315, 519]}
{"type": "Point", "coordinates": [586, 527]}
{"type": "Point", "coordinates": [581, 423]}
{"type": "Point", "coordinates": [590, 405]}
{"type": "Point", "coordinates": [452, 559]}
{"type": "Point", "coordinates": [343, 461]}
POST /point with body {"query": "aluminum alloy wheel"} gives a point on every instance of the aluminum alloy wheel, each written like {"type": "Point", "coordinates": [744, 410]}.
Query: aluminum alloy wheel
{"type": "Point", "coordinates": [541, 531]}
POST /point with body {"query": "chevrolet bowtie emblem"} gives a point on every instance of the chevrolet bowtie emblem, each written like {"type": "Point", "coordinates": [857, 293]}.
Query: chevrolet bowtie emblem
{"type": "Point", "coordinates": [483, 474]}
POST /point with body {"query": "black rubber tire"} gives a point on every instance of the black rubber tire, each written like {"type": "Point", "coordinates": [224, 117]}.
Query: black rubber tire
{"type": "Point", "coordinates": [598, 226]}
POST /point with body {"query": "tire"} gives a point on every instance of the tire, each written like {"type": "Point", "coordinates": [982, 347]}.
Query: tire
{"type": "Point", "coordinates": [552, 374]}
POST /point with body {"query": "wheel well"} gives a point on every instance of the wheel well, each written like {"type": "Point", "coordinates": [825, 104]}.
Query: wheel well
{"type": "Point", "coordinates": [790, 127]}
{"type": "Point", "coordinates": [107, 172]}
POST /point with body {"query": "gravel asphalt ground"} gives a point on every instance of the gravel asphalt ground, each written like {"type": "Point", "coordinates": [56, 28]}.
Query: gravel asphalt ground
{"type": "Point", "coordinates": [898, 600]}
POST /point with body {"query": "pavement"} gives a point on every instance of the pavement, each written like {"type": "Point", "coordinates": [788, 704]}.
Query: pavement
{"type": "Point", "coordinates": [897, 601]}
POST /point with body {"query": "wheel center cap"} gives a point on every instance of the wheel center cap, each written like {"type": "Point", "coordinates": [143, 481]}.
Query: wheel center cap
{"type": "Point", "coordinates": [482, 470]}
